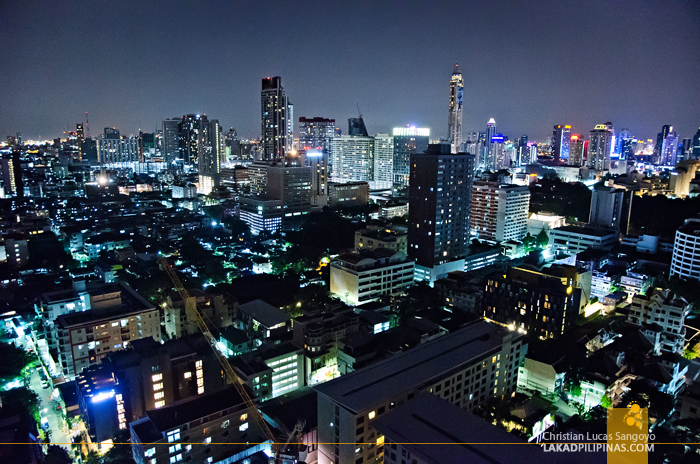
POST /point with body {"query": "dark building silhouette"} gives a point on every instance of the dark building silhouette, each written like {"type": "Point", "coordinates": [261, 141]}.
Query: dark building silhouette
{"type": "Point", "coordinates": [356, 126]}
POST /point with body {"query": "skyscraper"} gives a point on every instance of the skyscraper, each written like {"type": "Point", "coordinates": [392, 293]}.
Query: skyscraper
{"type": "Point", "coordinates": [407, 140]}
{"type": "Point", "coordinates": [669, 149]}
{"type": "Point", "coordinates": [277, 120]}
{"type": "Point", "coordinates": [171, 140]}
{"type": "Point", "coordinates": [316, 133]}
{"type": "Point", "coordinates": [188, 133]}
{"type": "Point", "coordinates": [440, 197]}
{"type": "Point", "coordinates": [232, 146]}
{"type": "Point", "coordinates": [611, 208]}
{"type": "Point", "coordinates": [211, 154]}
{"type": "Point", "coordinates": [576, 144]}
{"type": "Point", "coordinates": [560, 142]}
{"type": "Point", "coordinates": [356, 126]}
{"type": "Point", "coordinates": [599, 147]}
{"type": "Point", "coordinates": [660, 137]}
{"type": "Point", "coordinates": [499, 211]}
{"type": "Point", "coordinates": [454, 120]}
{"type": "Point", "coordinates": [488, 159]}
{"type": "Point", "coordinates": [696, 145]}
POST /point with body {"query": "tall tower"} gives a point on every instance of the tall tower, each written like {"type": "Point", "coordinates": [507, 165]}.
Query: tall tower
{"type": "Point", "coordinates": [454, 121]}
{"type": "Point", "coordinates": [599, 147]}
{"type": "Point", "coordinates": [277, 120]}
{"type": "Point", "coordinates": [561, 137]}
{"type": "Point", "coordinates": [488, 160]}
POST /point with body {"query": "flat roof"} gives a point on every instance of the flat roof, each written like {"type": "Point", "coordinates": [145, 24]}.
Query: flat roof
{"type": "Point", "coordinates": [265, 313]}
{"type": "Point", "coordinates": [442, 433]}
{"type": "Point", "coordinates": [596, 232]}
{"type": "Point", "coordinates": [379, 382]}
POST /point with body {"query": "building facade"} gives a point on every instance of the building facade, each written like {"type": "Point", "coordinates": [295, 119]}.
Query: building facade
{"type": "Point", "coordinates": [407, 141]}
{"type": "Point", "coordinates": [276, 115]}
{"type": "Point", "coordinates": [454, 118]}
{"type": "Point", "coordinates": [499, 212]}
{"type": "Point", "coordinates": [685, 261]}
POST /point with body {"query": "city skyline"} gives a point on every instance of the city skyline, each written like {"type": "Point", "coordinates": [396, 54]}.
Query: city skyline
{"type": "Point", "coordinates": [393, 62]}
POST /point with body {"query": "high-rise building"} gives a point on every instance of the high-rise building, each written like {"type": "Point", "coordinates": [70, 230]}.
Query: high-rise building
{"type": "Point", "coordinates": [289, 184]}
{"type": "Point", "coordinates": [600, 147]}
{"type": "Point", "coordinates": [316, 133]}
{"type": "Point", "coordinates": [499, 212]}
{"type": "Point", "coordinates": [454, 119]}
{"type": "Point", "coordinates": [407, 141]}
{"type": "Point", "coordinates": [317, 160]}
{"type": "Point", "coordinates": [277, 119]}
{"type": "Point", "coordinates": [440, 196]}
{"type": "Point", "coordinates": [625, 142]}
{"type": "Point", "coordinates": [232, 146]}
{"type": "Point", "coordinates": [383, 161]}
{"type": "Point", "coordinates": [12, 184]}
{"type": "Point", "coordinates": [356, 126]}
{"type": "Point", "coordinates": [611, 208]}
{"type": "Point", "coordinates": [685, 261]}
{"type": "Point", "coordinates": [523, 150]}
{"type": "Point", "coordinates": [497, 153]}
{"type": "Point", "coordinates": [359, 158]}
{"type": "Point", "coordinates": [576, 145]}
{"type": "Point", "coordinates": [660, 137]}
{"type": "Point", "coordinates": [669, 149]}
{"type": "Point", "coordinates": [170, 149]}
{"type": "Point", "coordinates": [112, 148]}
{"type": "Point", "coordinates": [560, 142]}
{"type": "Point", "coordinates": [487, 159]}
{"type": "Point", "coordinates": [188, 144]}
{"type": "Point", "coordinates": [211, 155]}
{"type": "Point", "coordinates": [696, 145]}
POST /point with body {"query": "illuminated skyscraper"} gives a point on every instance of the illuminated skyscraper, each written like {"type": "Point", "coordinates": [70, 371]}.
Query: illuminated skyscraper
{"type": "Point", "coordinates": [599, 147]}
{"type": "Point", "coordinates": [316, 133]}
{"type": "Point", "coordinates": [171, 140]}
{"type": "Point", "coordinates": [669, 148]}
{"type": "Point", "coordinates": [277, 120]}
{"type": "Point", "coordinates": [488, 160]}
{"type": "Point", "coordinates": [189, 129]}
{"type": "Point", "coordinates": [696, 145]}
{"type": "Point", "coordinates": [560, 142]}
{"type": "Point", "coordinates": [211, 153]}
{"type": "Point", "coordinates": [660, 137]}
{"type": "Point", "coordinates": [454, 121]}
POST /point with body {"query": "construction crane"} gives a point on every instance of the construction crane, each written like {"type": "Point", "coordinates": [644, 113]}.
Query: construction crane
{"type": "Point", "coordinates": [196, 314]}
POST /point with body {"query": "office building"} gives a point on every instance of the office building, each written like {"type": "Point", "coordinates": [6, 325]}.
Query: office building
{"type": "Point", "coordinates": [611, 208]}
{"type": "Point", "coordinates": [666, 310]}
{"type": "Point", "coordinates": [440, 197]}
{"type": "Point", "coordinates": [358, 278]}
{"type": "Point", "coordinates": [407, 141]}
{"type": "Point", "coordinates": [184, 191]}
{"type": "Point", "coordinates": [600, 147]}
{"type": "Point", "coordinates": [488, 161]}
{"type": "Point", "coordinates": [560, 142]}
{"type": "Point", "coordinates": [383, 162]}
{"type": "Point", "coordinates": [577, 152]}
{"type": "Point", "coordinates": [260, 214]}
{"type": "Point", "coordinates": [696, 145]}
{"type": "Point", "coordinates": [271, 370]}
{"type": "Point", "coordinates": [454, 119]}
{"type": "Point", "coordinates": [206, 429]}
{"type": "Point", "coordinates": [685, 261]}
{"type": "Point", "coordinates": [211, 155]}
{"type": "Point", "coordinates": [289, 184]}
{"type": "Point", "coordinates": [499, 212]}
{"type": "Point", "coordinates": [430, 430]}
{"type": "Point", "coordinates": [669, 149]}
{"type": "Point", "coordinates": [467, 367]}
{"type": "Point", "coordinates": [362, 158]}
{"type": "Point", "coordinates": [276, 114]}
{"type": "Point", "coordinates": [85, 338]}
{"type": "Point", "coordinates": [232, 146]}
{"type": "Point", "coordinates": [575, 239]}
{"type": "Point", "coordinates": [346, 194]}
{"type": "Point", "coordinates": [11, 175]}
{"type": "Point", "coordinates": [16, 250]}
{"type": "Point", "coordinates": [262, 320]}
{"type": "Point", "coordinates": [317, 160]}
{"type": "Point", "coordinates": [113, 148]}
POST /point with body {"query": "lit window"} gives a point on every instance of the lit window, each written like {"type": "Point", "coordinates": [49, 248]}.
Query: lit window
{"type": "Point", "coordinates": [173, 435]}
{"type": "Point", "coordinates": [243, 427]}
{"type": "Point", "coordinates": [243, 417]}
{"type": "Point", "coordinates": [157, 377]}
{"type": "Point", "coordinates": [188, 375]}
{"type": "Point", "coordinates": [160, 404]}
{"type": "Point", "coordinates": [174, 448]}
{"type": "Point", "coordinates": [150, 452]}
{"type": "Point", "coordinates": [158, 386]}
{"type": "Point", "coordinates": [371, 415]}
{"type": "Point", "coordinates": [158, 395]}
{"type": "Point", "coordinates": [207, 440]}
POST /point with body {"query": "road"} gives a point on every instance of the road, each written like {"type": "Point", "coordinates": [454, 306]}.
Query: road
{"type": "Point", "coordinates": [48, 409]}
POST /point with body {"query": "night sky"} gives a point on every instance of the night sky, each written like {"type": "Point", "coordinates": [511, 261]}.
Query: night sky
{"type": "Point", "coordinates": [529, 65]}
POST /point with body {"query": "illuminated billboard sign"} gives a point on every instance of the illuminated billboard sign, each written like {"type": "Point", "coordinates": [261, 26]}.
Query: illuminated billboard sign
{"type": "Point", "coordinates": [498, 138]}
{"type": "Point", "coordinates": [314, 153]}
{"type": "Point", "coordinates": [414, 131]}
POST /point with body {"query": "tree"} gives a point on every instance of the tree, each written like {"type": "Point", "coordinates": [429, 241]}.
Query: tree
{"type": "Point", "coordinates": [57, 455]}
{"type": "Point", "coordinates": [236, 226]}
{"type": "Point", "coordinates": [12, 361]}
{"type": "Point", "coordinates": [120, 452]}
{"type": "Point", "coordinates": [22, 398]}
{"type": "Point", "coordinates": [529, 243]}
{"type": "Point", "coordinates": [542, 239]}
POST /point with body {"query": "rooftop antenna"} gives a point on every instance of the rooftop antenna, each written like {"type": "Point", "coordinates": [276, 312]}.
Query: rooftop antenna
{"type": "Point", "coordinates": [358, 109]}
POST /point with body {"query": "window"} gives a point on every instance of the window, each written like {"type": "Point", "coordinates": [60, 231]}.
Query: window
{"type": "Point", "coordinates": [207, 440]}
{"type": "Point", "coordinates": [173, 435]}
{"type": "Point", "coordinates": [188, 375]}
{"type": "Point", "coordinates": [174, 448]}
{"type": "Point", "coordinates": [243, 427]}
{"type": "Point", "coordinates": [177, 458]}
{"type": "Point", "coordinates": [372, 414]}
{"type": "Point", "coordinates": [158, 395]}
{"type": "Point", "coordinates": [157, 377]}
{"type": "Point", "coordinates": [157, 386]}
{"type": "Point", "coordinates": [160, 404]}
{"type": "Point", "coordinates": [150, 452]}
{"type": "Point", "coordinates": [243, 417]}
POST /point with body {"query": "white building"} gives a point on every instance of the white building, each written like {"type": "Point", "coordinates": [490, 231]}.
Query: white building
{"type": "Point", "coordinates": [499, 212]}
{"type": "Point", "coordinates": [537, 222]}
{"type": "Point", "coordinates": [359, 158]}
{"type": "Point", "coordinates": [261, 215]}
{"type": "Point", "coordinates": [574, 239]}
{"type": "Point", "coordinates": [184, 191]}
{"type": "Point", "coordinates": [359, 278]}
{"type": "Point", "coordinates": [663, 308]}
{"type": "Point", "coordinates": [686, 250]}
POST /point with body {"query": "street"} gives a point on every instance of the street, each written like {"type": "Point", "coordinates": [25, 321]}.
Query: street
{"type": "Point", "coordinates": [48, 410]}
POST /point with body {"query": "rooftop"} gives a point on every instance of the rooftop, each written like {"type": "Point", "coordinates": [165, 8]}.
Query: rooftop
{"type": "Point", "coordinates": [594, 231]}
{"type": "Point", "coordinates": [364, 388]}
{"type": "Point", "coordinates": [265, 313]}
{"type": "Point", "coordinates": [427, 423]}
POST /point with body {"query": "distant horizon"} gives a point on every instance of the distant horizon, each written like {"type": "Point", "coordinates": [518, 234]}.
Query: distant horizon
{"type": "Point", "coordinates": [529, 66]}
